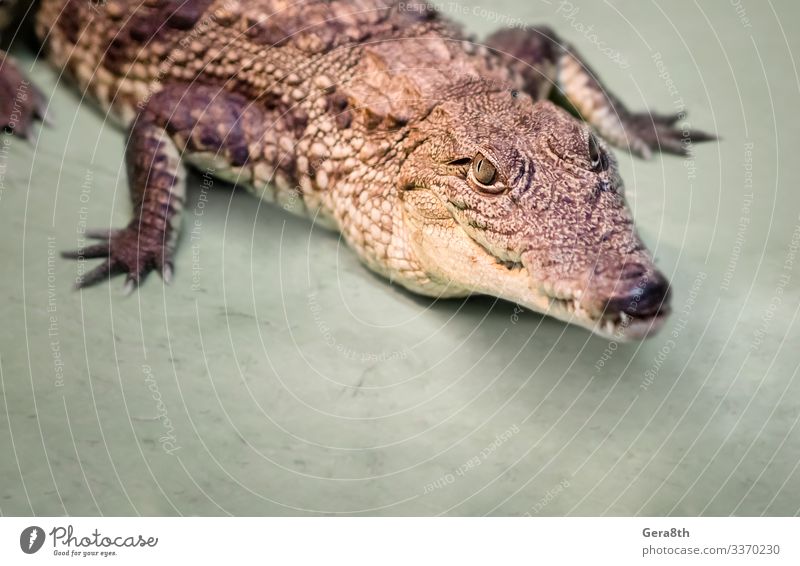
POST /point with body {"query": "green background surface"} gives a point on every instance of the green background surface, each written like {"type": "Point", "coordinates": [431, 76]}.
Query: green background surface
{"type": "Point", "coordinates": [296, 382]}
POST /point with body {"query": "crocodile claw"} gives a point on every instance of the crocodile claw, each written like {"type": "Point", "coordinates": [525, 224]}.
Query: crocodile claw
{"type": "Point", "coordinates": [648, 132]}
{"type": "Point", "coordinates": [126, 251]}
{"type": "Point", "coordinates": [21, 103]}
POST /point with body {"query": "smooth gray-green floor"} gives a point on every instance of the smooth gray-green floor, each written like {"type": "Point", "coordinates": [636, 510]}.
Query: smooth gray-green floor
{"type": "Point", "coordinates": [277, 376]}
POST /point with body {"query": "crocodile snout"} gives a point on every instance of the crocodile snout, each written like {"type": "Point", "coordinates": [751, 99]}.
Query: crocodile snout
{"type": "Point", "coordinates": [637, 290]}
{"type": "Point", "coordinates": [645, 296]}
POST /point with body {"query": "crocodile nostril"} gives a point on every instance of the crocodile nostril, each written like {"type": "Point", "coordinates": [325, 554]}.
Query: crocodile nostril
{"type": "Point", "coordinates": [641, 294]}
{"type": "Point", "coordinates": [649, 297]}
{"type": "Point", "coordinates": [632, 270]}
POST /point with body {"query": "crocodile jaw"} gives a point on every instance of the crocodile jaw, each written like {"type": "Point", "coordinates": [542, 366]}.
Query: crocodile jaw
{"type": "Point", "coordinates": [619, 327]}
{"type": "Point", "coordinates": [457, 265]}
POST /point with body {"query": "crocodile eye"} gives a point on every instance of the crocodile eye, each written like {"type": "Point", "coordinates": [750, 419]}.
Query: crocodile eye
{"type": "Point", "coordinates": [483, 170]}
{"type": "Point", "coordinates": [597, 156]}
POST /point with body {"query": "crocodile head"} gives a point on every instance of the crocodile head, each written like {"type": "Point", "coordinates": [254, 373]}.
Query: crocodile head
{"type": "Point", "coordinates": [519, 200]}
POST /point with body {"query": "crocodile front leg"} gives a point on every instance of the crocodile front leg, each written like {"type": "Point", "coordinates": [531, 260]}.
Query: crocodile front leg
{"type": "Point", "coordinates": [21, 103]}
{"type": "Point", "coordinates": [157, 184]}
{"type": "Point", "coordinates": [178, 123]}
{"type": "Point", "coordinates": [539, 56]}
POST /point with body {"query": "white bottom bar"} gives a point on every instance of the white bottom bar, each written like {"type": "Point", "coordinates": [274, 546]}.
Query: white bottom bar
{"type": "Point", "coordinates": [360, 541]}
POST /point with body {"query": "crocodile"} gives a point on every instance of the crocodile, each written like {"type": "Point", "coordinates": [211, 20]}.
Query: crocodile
{"type": "Point", "coordinates": [451, 166]}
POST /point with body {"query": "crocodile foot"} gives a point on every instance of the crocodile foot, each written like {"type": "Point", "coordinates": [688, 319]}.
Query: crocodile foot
{"type": "Point", "coordinates": [21, 103]}
{"type": "Point", "coordinates": [130, 250]}
{"type": "Point", "coordinates": [648, 132]}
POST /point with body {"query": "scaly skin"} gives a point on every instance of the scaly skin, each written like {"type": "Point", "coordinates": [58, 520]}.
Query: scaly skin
{"type": "Point", "coordinates": [439, 159]}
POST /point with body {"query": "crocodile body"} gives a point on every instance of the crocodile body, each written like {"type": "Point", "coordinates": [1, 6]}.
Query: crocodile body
{"type": "Point", "coordinates": [437, 157]}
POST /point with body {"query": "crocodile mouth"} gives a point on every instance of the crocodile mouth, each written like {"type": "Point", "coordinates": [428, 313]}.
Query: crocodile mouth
{"type": "Point", "coordinates": [615, 325]}
{"type": "Point", "coordinates": [622, 309]}
{"type": "Point", "coordinates": [631, 305]}
{"type": "Point", "coordinates": [580, 304]}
